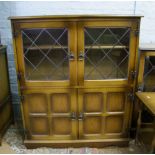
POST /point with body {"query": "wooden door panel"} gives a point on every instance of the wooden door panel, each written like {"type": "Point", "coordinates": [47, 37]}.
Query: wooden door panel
{"type": "Point", "coordinates": [48, 113]}
{"type": "Point", "coordinates": [93, 102]}
{"type": "Point", "coordinates": [60, 103]}
{"type": "Point", "coordinates": [114, 124]}
{"type": "Point", "coordinates": [61, 126]}
{"type": "Point", "coordinates": [91, 106]}
{"type": "Point", "coordinates": [111, 118]}
{"type": "Point", "coordinates": [37, 103]}
{"type": "Point", "coordinates": [39, 126]}
{"type": "Point", "coordinates": [92, 125]}
{"type": "Point", "coordinates": [115, 102]}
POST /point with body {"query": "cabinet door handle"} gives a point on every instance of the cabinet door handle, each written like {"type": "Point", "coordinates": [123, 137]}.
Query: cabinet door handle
{"type": "Point", "coordinates": [71, 56]}
{"type": "Point", "coordinates": [81, 56]}
{"type": "Point", "coordinates": [73, 116]}
{"type": "Point", "coordinates": [81, 116]}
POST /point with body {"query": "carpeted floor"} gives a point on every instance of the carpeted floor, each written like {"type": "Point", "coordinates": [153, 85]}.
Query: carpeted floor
{"type": "Point", "coordinates": [12, 143]}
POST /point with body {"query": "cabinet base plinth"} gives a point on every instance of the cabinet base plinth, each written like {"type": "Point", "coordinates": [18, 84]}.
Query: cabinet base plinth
{"type": "Point", "coordinates": [30, 144]}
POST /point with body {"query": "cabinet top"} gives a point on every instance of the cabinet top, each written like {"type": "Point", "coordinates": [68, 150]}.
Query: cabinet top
{"type": "Point", "coordinates": [148, 99]}
{"type": "Point", "coordinates": [75, 16]}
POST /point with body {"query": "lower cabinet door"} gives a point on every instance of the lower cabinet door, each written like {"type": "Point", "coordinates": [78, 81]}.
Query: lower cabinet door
{"type": "Point", "coordinates": [104, 113]}
{"type": "Point", "coordinates": [50, 114]}
{"type": "Point", "coordinates": [65, 114]}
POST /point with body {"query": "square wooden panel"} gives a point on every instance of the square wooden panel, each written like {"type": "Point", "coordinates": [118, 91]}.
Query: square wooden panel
{"type": "Point", "coordinates": [115, 102]}
{"type": "Point", "coordinates": [37, 103]}
{"type": "Point", "coordinates": [114, 124]}
{"type": "Point", "coordinates": [39, 125]}
{"type": "Point", "coordinates": [93, 102]}
{"type": "Point", "coordinates": [60, 103]}
{"type": "Point", "coordinates": [92, 125]}
{"type": "Point", "coordinates": [61, 126]}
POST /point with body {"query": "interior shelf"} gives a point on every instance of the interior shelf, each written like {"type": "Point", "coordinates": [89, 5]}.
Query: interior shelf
{"type": "Point", "coordinates": [46, 47]}
{"type": "Point", "coordinates": [105, 47]}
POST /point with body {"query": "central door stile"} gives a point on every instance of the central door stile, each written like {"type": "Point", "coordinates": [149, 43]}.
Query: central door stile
{"type": "Point", "coordinates": [74, 114]}
{"type": "Point", "coordinates": [80, 52]}
{"type": "Point", "coordinates": [73, 53]}
{"type": "Point", "coordinates": [80, 112]}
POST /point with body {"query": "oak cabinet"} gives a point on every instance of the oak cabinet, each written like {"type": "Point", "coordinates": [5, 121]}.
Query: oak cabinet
{"type": "Point", "coordinates": [76, 78]}
{"type": "Point", "coordinates": [5, 97]}
{"type": "Point", "coordinates": [146, 88]}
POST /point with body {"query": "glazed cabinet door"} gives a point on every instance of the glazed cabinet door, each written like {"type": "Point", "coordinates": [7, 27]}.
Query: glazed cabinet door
{"type": "Point", "coordinates": [106, 53]}
{"type": "Point", "coordinates": [46, 53]}
{"type": "Point", "coordinates": [146, 74]}
{"type": "Point", "coordinates": [104, 113]}
{"type": "Point", "coordinates": [106, 76]}
{"type": "Point", "coordinates": [50, 114]}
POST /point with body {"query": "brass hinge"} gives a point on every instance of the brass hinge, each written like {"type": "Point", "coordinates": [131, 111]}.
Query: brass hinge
{"type": "Point", "coordinates": [133, 74]}
{"type": "Point", "coordinates": [136, 32]}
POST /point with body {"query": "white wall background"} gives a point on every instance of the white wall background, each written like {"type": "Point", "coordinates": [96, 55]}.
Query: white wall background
{"type": "Point", "coordinates": [147, 33]}
{"type": "Point", "coordinates": [147, 9]}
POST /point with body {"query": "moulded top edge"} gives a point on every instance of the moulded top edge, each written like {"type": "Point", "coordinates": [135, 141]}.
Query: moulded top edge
{"type": "Point", "coordinates": [76, 16]}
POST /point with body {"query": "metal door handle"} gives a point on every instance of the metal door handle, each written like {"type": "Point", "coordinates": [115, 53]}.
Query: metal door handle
{"type": "Point", "coordinates": [81, 116]}
{"type": "Point", "coordinates": [71, 56]}
{"type": "Point", "coordinates": [73, 116]}
{"type": "Point", "coordinates": [81, 56]}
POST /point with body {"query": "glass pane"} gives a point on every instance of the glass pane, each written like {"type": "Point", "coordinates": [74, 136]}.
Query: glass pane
{"type": "Point", "coordinates": [149, 74]}
{"type": "Point", "coordinates": [106, 53]}
{"type": "Point", "coordinates": [46, 54]}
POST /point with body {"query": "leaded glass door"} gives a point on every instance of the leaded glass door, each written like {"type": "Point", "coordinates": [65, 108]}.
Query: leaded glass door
{"type": "Point", "coordinates": [47, 53]}
{"type": "Point", "coordinates": [104, 53]}
{"type": "Point", "coordinates": [146, 74]}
